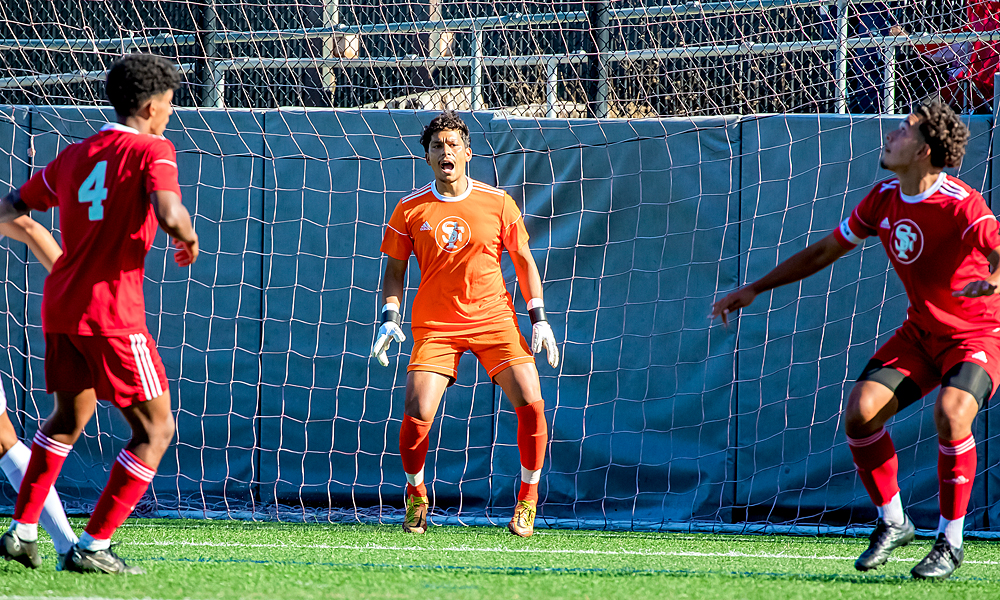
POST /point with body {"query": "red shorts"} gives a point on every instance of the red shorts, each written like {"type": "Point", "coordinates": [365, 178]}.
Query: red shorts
{"type": "Point", "coordinates": [496, 350]}
{"type": "Point", "coordinates": [925, 357]}
{"type": "Point", "coordinates": [121, 368]}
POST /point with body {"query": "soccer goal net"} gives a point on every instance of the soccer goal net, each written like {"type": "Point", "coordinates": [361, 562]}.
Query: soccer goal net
{"type": "Point", "coordinates": [662, 153]}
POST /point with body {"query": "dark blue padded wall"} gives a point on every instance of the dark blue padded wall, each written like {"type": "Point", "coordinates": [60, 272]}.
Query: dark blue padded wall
{"type": "Point", "coordinates": [51, 131]}
{"type": "Point", "coordinates": [656, 414]}
{"type": "Point", "coordinates": [802, 346]}
{"type": "Point", "coordinates": [206, 320]}
{"type": "Point", "coordinates": [329, 416]}
{"type": "Point", "coordinates": [631, 229]}
{"type": "Point", "coordinates": [14, 124]}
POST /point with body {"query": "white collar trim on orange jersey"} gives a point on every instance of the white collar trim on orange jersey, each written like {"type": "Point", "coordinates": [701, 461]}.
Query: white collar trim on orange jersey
{"type": "Point", "coordinates": [457, 198]}
{"type": "Point", "coordinates": [942, 177]}
{"type": "Point", "coordinates": [118, 127]}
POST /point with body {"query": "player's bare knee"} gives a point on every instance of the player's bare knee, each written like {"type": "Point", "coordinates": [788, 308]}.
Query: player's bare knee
{"type": "Point", "coordinates": [954, 413]}
{"type": "Point", "coordinates": [66, 422]}
{"type": "Point", "coordinates": [858, 426]}
{"type": "Point", "coordinates": [861, 414]}
{"type": "Point", "coordinates": [162, 432]}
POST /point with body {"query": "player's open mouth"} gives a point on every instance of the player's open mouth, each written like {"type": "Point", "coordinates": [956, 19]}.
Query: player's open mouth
{"type": "Point", "coordinates": [447, 167]}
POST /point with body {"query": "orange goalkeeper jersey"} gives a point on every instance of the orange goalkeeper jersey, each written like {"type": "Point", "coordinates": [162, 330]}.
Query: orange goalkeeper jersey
{"type": "Point", "coordinates": [458, 242]}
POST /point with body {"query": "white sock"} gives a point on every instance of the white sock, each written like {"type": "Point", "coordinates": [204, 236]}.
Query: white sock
{"type": "Point", "coordinates": [415, 479]}
{"type": "Point", "coordinates": [27, 532]}
{"type": "Point", "coordinates": [952, 530]}
{"type": "Point", "coordinates": [14, 464]}
{"type": "Point", "coordinates": [530, 477]}
{"type": "Point", "coordinates": [88, 542]}
{"type": "Point", "coordinates": [892, 512]}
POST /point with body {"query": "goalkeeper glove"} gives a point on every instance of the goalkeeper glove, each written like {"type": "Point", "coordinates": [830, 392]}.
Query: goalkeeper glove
{"type": "Point", "coordinates": [541, 333]}
{"type": "Point", "coordinates": [389, 330]}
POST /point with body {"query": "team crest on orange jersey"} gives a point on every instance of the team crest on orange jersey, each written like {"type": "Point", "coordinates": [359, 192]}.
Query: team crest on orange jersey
{"type": "Point", "coordinates": [906, 241]}
{"type": "Point", "coordinates": [452, 234]}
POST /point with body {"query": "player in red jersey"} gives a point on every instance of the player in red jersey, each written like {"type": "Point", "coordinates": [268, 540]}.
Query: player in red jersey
{"type": "Point", "coordinates": [458, 228]}
{"type": "Point", "coordinates": [14, 455]}
{"type": "Point", "coordinates": [111, 189]}
{"type": "Point", "coordinates": [942, 241]}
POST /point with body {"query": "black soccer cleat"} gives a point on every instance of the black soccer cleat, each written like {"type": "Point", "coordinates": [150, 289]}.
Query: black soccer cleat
{"type": "Point", "coordinates": [882, 542]}
{"type": "Point", "coordinates": [14, 548]}
{"type": "Point", "coordinates": [941, 562]}
{"type": "Point", "coordinates": [79, 560]}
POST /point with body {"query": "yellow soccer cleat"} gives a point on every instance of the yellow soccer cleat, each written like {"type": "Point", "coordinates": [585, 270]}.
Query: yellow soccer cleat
{"type": "Point", "coordinates": [523, 522]}
{"type": "Point", "coordinates": [416, 514]}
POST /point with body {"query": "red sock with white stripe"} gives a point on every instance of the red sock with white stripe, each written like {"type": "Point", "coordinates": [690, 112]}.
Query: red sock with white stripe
{"type": "Point", "coordinates": [47, 458]}
{"type": "Point", "coordinates": [129, 480]}
{"type": "Point", "coordinates": [956, 472]}
{"type": "Point", "coordinates": [875, 457]}
{"type": "Point", "coordinates": [413, 445]}
{"type": "Point", "coordinates": [532, 436]}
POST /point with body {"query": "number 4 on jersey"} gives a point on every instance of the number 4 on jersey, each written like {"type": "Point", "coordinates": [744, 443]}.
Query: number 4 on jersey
{"type": "Point", "coordinates": [93, 191]}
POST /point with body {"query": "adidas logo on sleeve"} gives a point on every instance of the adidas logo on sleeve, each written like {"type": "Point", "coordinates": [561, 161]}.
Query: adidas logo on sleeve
{"type": "Point", "coordinates": [426, 227]}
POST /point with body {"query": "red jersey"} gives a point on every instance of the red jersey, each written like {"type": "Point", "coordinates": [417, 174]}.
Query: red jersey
{"type": "Point", "coordinates": [458, 242]}
{"type": "Point", "coordinates": [937, 242]}
{"type": "Point", "coordinates": [102, 186]}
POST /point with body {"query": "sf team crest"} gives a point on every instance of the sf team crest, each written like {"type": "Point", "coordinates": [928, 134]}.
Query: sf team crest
{"type": "Point", "coordinates": [452, 234]}
{"type": "Point", "coordinates": [906, 241]}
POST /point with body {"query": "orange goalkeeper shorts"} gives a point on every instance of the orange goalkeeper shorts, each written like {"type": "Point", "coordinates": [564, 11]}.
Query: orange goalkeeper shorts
{"type": "Point", "coordinates": [496, 350]}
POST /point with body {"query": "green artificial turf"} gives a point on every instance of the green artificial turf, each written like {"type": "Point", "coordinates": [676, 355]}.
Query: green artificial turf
{"type": "Point", "coordinates": [273, 561]}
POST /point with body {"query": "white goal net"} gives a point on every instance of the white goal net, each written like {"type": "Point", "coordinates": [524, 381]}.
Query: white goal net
{"type": "Point", "coordinates": [661, 153]}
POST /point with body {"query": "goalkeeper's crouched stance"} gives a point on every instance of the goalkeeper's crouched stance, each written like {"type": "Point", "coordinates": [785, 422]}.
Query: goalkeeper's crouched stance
{"type": "Point", "coordinates": [457, 228]}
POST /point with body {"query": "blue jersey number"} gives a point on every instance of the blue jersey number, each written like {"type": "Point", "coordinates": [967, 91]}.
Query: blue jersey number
{"type": "Point", "coordinates": [93, 191]}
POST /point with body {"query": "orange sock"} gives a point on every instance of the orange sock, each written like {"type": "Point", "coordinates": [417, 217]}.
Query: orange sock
{"type": "Point", "coordinates": [413, 444]}
{"type": "Point", "coordinates": [532, 436]}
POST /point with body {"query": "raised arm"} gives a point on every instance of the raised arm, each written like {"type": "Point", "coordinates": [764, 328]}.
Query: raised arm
{"type": "Point", "coordinates": [175, 220]}
{"type": "Point", "coordinates": [531, 289]}
{"type": "Point", "coordinates": [41, 243]}
{"type": "Point", "coordinates": [801, 265]}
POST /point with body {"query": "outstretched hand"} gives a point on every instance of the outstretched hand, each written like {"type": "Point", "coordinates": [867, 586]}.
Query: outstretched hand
{"type": "Point", "coordinates": [976, 289]}
{"type": "Point", "coordinates": [732, 303]}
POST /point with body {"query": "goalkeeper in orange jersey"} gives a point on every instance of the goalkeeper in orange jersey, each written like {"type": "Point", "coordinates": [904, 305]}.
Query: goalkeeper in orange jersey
{"type": "Point", "coordinates": [458, 227]}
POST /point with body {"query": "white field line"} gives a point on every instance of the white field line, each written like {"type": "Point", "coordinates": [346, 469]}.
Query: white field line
{"type": "Point", "coordinates": [496, 549]}
{"type": "Point", "coordinates": [63, 598]}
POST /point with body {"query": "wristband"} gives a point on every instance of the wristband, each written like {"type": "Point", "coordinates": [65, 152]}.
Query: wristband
{"type": "Point", "coordinates": [537, 314]}
{"type": "Point", "coordinates": [536, 310]}
{"type": "Point", "coordinates": [390, 312]}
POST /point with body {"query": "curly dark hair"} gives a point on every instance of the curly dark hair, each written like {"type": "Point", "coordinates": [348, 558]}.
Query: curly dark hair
{"type": "Point", "coordinates": [944, 132]}
{"type": "Point", "coordinates": [446, 121]}
{"type": "Point", "coordinates": [135, 78]}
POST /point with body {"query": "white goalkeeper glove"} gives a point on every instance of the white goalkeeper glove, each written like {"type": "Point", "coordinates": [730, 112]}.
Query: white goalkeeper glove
{"type": "Point", "coordinates": [541, 333]}
{"type": "Point", "coordinates": [389, 330]}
